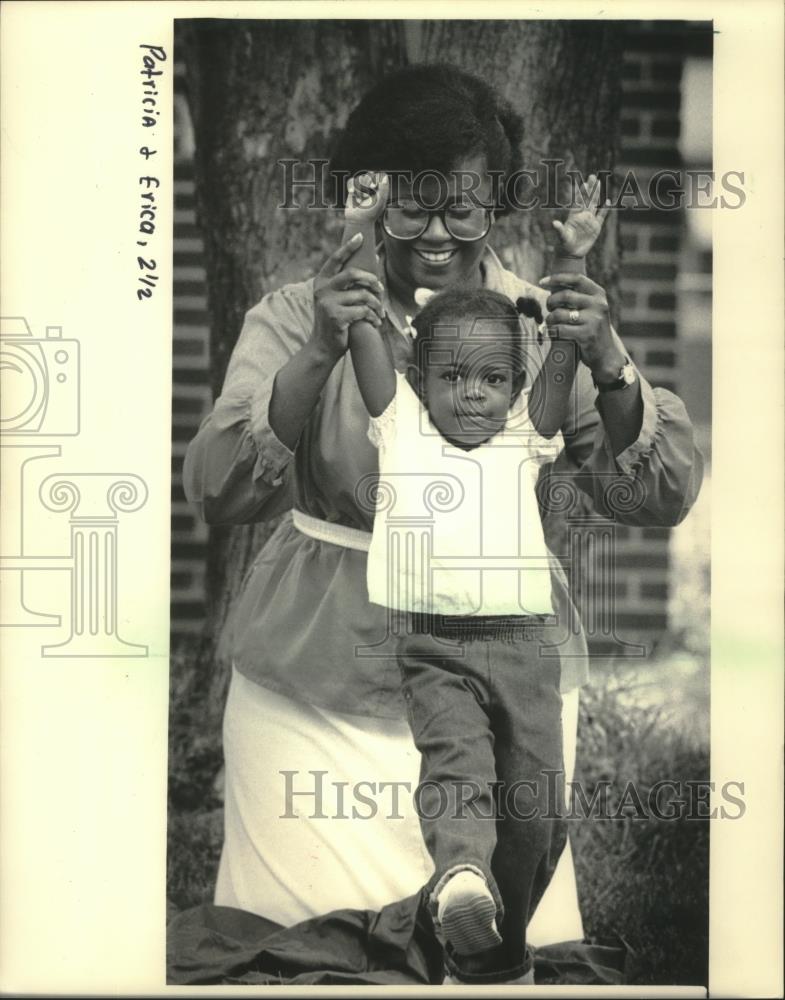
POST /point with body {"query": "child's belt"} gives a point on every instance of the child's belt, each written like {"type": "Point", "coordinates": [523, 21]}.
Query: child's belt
{"type": "Point", "coordinates": [328, 531]}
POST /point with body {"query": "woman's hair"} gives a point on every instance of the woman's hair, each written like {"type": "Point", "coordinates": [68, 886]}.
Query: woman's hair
{"type": "Point", "coordinates": [454, 305]}
{"type": "Point", "coordinates": [429, 117]}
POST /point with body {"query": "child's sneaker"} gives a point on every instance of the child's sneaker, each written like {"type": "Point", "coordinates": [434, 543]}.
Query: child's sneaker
{"type": "Point", "coordinates": [467, 914]}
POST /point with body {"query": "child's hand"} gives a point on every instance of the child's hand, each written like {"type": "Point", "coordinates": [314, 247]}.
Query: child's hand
{"type": "Point", "coordinates": [579, 231]}
{"type": "Point", "coordinates": [367, 197]}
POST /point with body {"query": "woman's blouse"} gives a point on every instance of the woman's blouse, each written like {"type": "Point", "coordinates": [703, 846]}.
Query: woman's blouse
{"type": "Point", "coordinates": [303, 624]}
{"type": "Point", "coordinates": [458, 532]}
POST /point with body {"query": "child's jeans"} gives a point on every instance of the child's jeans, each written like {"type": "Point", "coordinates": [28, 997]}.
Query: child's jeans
{"type": "Point", "coordinates": [488, 726]}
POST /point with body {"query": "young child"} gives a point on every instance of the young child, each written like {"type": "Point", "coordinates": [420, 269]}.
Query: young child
{"type": "Point", "coordinates": [458, 547]}
{"type": "Point", "coordinates": [550, 391]}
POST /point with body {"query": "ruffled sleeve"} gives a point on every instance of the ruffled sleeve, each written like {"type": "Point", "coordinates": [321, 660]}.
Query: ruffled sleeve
{"type": "Point", "coordinates": [235, 469]}
{"type": "Point", "coordinates": [382, 428]}
{"type": "Point", "coordinates": [655, 481]}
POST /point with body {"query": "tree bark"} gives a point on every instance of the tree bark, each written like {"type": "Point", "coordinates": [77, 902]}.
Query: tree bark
{"type": "Point", "coordinates": [563, 78]}
{"type": "Point", "coordinates": [261, 91]}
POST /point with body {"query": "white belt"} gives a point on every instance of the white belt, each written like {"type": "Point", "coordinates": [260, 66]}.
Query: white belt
{"type": "Point", "coordinates": [327, 531]}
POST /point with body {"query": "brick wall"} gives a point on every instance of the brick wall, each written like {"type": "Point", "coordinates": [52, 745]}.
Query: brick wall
{"type": "Point", "coordinates": [191, 398]}
{"type": "Point", "coordinates": [652, 254]}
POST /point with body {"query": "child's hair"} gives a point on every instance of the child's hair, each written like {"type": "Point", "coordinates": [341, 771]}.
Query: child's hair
{"type": "Point", "coordinates": [456, 305]}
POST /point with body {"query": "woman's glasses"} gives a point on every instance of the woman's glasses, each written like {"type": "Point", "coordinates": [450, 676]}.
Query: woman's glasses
{"type": "Point", "coordinates": [463, 222]}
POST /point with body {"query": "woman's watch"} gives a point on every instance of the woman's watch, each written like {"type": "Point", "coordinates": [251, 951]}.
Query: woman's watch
{"type": "Point", "coordinates": [625, 377]}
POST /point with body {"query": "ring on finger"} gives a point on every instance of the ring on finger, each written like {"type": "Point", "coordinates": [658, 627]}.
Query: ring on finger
{"type": "Point", "coordinates": [574, 316]}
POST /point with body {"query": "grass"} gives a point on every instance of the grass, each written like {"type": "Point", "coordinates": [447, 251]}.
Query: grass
{"type": "Point", "coordinates": [645, 880]}
{"type": "Point", "coordinates": [195, 827]}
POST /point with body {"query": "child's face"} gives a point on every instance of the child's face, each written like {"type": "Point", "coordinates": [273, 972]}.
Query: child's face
{"type": "Point", "coordinates": [470, 381]}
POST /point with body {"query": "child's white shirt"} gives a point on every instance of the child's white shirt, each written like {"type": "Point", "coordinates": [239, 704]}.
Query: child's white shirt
{"type": "Point", "coordinates": [458, 532]}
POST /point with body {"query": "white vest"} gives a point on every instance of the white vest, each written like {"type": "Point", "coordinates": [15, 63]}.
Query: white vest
{"type": "Point", "coordinates": [458, 532]}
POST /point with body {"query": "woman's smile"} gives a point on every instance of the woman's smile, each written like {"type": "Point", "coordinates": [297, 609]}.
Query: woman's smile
{"type": "Point", "coordinates": [438, 258]}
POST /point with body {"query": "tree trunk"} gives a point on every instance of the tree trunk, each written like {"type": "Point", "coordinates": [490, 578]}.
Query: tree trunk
{"type": "Point", "coordinates": [261, 91]}
{"type": "Point", "coordinates": [564, 79]}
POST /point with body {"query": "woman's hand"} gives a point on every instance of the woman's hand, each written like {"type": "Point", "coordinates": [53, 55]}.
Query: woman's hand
{"type": "Point", "coordinates": [579, 231]}
{"type": "Point", "coordinates": [341, 297]}
{"type": "Point", "coordinates": [578, 311]}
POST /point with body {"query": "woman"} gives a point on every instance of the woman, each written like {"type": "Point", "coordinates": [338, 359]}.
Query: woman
{"type": "Point", "coordinates": [318, 752]}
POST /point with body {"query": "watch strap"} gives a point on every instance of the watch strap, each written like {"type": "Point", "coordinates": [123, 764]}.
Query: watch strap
{"type": "Point", "coordinates": [618, 383]}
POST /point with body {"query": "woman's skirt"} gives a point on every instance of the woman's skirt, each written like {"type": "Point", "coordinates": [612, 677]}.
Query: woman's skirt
{"type": "Point", "coordinates": [319, 814]}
